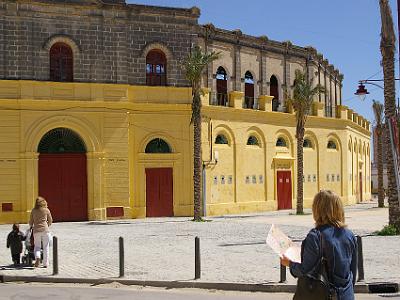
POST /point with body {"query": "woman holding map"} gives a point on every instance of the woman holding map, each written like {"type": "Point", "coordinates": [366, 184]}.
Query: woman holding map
{"type": "Point", "coordinates": [329, 247]}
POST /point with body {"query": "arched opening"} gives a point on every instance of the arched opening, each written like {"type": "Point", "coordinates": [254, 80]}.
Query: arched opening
{"type": "Point", "coordinates": [221, 140]}
{"type": "Point", "coordinates": [307, 143]}
{"type": "Point", "coordinates": [159, 183]}
{"type": "Point", "coordinates": [222, 87]}
{"type": "Point", "coordinates": [274, 91]}
{"type": "Point", "coordinates": [253, 141]}
{"type": "Point", "coordinates": [280, 142]}
{"type": "Point", "coordinates": [158, 146]}
{"type": "Point", "coordinates": [63, 174]}
{"type": "Point", "coordinates": [61, 63]}
{"type": "Point", "coordinates": [156, 68]}
{"type": "Point", "coordinates": [331, 145]}
{"type": "Point", "coordinates": [248, 90]}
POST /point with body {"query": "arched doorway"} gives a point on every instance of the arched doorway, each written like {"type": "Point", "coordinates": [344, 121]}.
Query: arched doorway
{"type": "Point", "coordinates": [248, 90]}
{"type": "Point", "coordinates": [63, 174]}
{"type": "Point", "coordinates": [274, 91]}
{"type": "Point", "coordinates": [159, 183]}
{"type": "Point", "coordinates": [222, 87]}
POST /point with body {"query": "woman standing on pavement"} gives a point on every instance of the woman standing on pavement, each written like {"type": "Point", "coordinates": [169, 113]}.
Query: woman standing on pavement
{"type": "Point", "coordinates": [339, 247]}
{"type": "Point", "coordinates": [40, 220]}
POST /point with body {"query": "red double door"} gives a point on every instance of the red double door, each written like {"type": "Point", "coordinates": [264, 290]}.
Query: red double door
{"type": "Point", "coordinates": [159, 192]}
{"type": "Point", "coordinates": [284, 189]}
{"type": "Point", "coordinates": [63, 183]}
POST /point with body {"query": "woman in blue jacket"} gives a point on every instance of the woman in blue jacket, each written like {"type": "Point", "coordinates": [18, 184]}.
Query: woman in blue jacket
{"type": "Point", "coordinates": [339, 246]}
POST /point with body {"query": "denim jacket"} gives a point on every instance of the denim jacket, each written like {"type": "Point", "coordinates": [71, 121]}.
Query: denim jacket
{"type": "Point", "coordinates": [340, 250]}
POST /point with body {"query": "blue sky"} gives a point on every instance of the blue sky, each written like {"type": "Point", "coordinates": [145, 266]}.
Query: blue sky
{"type": "Point", "coordinates": [346, 32]}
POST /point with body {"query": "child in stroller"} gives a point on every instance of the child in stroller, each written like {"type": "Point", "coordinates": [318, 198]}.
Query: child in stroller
{"type": "Point", "coordinates": [29, 254]}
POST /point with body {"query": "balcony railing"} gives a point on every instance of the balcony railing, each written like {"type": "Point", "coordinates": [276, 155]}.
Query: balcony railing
{"type": "Point", "coordinates": [250, 103]}
{"type": "Point", "coordinates": [219, 99]}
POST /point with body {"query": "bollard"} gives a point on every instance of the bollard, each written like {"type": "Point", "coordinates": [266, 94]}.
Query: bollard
{"type": "Point", "coordinates": [121, 257]}
{"type": "Point", "coordinates": [283, 274]}
{"type": "Point", "coordinates": [197, 269]}
{"type": "Point", "coordinates": [360, 259]}
{"type": "Point", "coordinates": [55, 255]}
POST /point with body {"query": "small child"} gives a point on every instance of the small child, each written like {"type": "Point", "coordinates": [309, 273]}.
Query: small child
{"type": "Point", "coordinates": [14, 242]}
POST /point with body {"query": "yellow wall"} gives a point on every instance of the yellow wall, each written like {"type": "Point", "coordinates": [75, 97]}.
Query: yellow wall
{"type": "Point", "coordinates": [117, 121]}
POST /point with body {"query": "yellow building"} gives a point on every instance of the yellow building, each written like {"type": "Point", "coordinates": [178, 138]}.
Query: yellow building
{"type": "Point", "coordinates": [104, 136]}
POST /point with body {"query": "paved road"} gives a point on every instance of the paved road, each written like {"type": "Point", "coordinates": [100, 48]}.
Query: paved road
{"type": "Point", "coordinates": [233, 248]}
{"type": "Point", "coordinates": [117, 292]}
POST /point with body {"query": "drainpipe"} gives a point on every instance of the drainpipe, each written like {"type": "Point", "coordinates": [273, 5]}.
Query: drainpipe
{"type": "Point", "coordinates": [204, 190]}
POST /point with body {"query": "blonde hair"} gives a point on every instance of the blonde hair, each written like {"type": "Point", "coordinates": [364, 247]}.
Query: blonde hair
{"type": "Point", "coordinates": [40, 202]}
{"type": "Point", "coordinates": [328, 209]}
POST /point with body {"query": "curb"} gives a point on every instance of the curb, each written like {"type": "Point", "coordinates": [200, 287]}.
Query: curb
{"type": "Point", "coordinates": [361, 288]}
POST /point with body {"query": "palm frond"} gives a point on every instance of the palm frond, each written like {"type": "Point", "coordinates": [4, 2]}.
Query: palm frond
{"type": "Point", "coordinates": [196, 62]}
{"type": "Point", "coordinates": [378, 112]}
{"type": "Point", "coordinates": [303, 94]}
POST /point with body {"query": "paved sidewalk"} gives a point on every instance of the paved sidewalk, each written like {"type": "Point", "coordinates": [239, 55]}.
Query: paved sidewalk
{"type": "Point", "coordinates": [233, 248]}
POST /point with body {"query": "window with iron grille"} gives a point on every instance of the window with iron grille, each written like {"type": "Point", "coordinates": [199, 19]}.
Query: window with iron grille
{"type": "Point", "coordinates": [61, 140]}
{"type": "Point", "coordinates": [158, 146]}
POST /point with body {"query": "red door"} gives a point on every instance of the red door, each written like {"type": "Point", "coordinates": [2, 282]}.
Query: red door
{"type": "Point", "coordinates": [63, 183]}
{"type": "Point", "coordinates": [159, 192]}
{"type": "Point", "coordinates": [284, 189]}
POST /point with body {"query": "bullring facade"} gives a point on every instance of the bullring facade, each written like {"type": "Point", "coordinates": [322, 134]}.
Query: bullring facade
{"type": "Point", "coordinates": [95, 116]}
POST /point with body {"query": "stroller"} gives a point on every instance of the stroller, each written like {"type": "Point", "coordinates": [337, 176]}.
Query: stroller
{"type": "Point", "coordinates": [29, 253]}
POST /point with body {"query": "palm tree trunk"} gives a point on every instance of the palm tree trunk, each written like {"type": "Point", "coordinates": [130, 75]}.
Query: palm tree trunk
{"type": "Point", "coordinates": [300, 168]}
{"type": "Point", "coordinates": [381, 193]}
{"type": "Point", "coordinates": [196, 118]}
{"type": "Point", "coordinates": [387, 50]}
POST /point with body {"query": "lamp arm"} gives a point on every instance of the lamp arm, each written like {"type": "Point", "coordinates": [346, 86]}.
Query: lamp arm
{"type": "Point", "coordinates": [371, 83]}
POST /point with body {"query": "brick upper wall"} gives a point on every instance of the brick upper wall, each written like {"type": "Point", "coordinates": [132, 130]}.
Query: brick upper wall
{"type": "Point", "coordinates": [109, 41]}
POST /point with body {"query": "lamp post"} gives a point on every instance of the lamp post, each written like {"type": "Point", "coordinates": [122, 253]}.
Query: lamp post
{"type": "Point", "coordinates": [362, 92]}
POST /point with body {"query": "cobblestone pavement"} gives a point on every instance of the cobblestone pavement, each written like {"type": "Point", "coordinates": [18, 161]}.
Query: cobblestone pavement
{"type": "Point", "coordinates": [233, 248]}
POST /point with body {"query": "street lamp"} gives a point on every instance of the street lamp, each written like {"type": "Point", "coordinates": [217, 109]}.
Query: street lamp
{"type": "Point", "coordinates": [362, 92]}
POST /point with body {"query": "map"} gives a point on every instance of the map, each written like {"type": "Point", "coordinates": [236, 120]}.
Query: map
{"type": "Point", "coordinates": [282, 245]}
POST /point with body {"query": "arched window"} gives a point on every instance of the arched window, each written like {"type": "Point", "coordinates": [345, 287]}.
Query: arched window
{"type": "Point", "coordinates": [61, 63]}
{"type": "Point", "coordinates": [61, 140]}
{"type": "Point", "coordinates": [280, 142]}
{"type": "Point", "coordinates": [252, 140]}
{"type": "Point", "coordinates": [158, 146]}
{"type": "Point", "coordinates": [221, 140]}
{"type": "Point", "coordinates": [331, 145]}
{"type": "Point", "coordinates": [156, 68]}
{"type": "Point", "coordinates": [274, 91]}
{"type": "Point", "coordinates": [248, 90]}
{"type": "Point", "coordinates": [307, 143]}
{"type": "Point", "coordinates": [222, 87]}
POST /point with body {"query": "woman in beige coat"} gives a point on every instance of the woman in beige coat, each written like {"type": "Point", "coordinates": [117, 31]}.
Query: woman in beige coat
{"type": "Point", "coordinates": [40, 220]}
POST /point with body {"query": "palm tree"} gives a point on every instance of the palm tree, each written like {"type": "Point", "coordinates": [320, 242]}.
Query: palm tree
{"type": "Point", "coordinates": [387, 50]}
{"type": "Point", "coordinates": [303, 96]}
{"type": "Point", "coordinates": [378, 111]}
{"type": "Point", "coordinates": [194, 67]}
